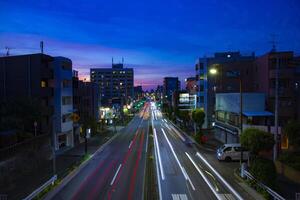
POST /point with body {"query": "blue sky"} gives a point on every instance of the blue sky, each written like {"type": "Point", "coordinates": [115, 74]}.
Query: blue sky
{"type": "Point", "coordinates": [157, 38]}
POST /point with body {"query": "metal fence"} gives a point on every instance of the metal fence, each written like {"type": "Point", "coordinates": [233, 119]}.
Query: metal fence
{"type": "Point", "coordinates": [275, 195]}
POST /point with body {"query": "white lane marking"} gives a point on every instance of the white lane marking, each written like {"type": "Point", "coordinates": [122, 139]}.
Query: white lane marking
{"type": "Point", "coordinates": [177, 132]}
{"type": "Point", "coordinates": [204, 177]}
{"type": "Point", "coordinates": [113, 180]}
{"type": "Point", "coordinates": [159, 157]}
{"type": "Point", "coordinates": [146, 148]}
{"type": "Point", "coordinates": [219, 176]}
{"type": "Point", "coordinates": [157, 170]}
{"type": "Point", "coordinates": [176, 158]}
{"type": "Point", "coordinates": [130, 144]}
{"type": "Point", "coordinates": [179, 197]}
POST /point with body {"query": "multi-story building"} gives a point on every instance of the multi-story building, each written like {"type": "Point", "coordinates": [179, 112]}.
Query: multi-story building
{"type": "Point", "coordinates": [170, 85]}
{"type": "Point", "coordinates": [191, 85]}
{"type": "Point", "coordinates": [230, 68]}
{"type": "Point", "coordinates": [138, 92]}
{"type": "Point", "coordinates": [227, 123]}
{"type": "Point", "coordinates": [86, 101]}
{"type": "Point", "coordinates": [63, 102]}
{"type": "Point", "coordinates": [288, 81]}
{"type": "Point", "coordinates": [183, 100]}
{"type": "Point", "coordinates": [48, 80]}
{"type": "Point", "coordinates": [29, 76]}
{"type": "Point", "coordinates": [115, 84]}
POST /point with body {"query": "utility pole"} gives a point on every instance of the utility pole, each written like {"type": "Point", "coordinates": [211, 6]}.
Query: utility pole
{"type": "Point", "coordinates": [42, 46]}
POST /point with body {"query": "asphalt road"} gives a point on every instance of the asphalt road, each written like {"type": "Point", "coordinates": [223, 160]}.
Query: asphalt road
{"type": "Point", "coordinates": [183, 172]}
{"type": "Point", "coordinates": [117, 172]}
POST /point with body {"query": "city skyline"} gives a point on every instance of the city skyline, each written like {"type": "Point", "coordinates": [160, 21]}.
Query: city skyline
{"type": "Point", "coordinates": [156, 39]}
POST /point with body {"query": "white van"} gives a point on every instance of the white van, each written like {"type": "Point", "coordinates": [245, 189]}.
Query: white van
{"type": "Point", "coordinates": [229, 152]}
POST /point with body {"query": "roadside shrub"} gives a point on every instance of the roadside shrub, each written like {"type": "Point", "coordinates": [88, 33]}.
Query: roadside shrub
{"type": "Point", "coordinates": [291, 159]}
{"type": "Point", "coordinates": [264, 171]}
{"type": "Point", "coordinates": [198, 137]}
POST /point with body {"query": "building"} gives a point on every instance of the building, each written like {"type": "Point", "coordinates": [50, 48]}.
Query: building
{"type": "Point", "coordinates": [227, 121]}
{"type": "Point", "coordinates": [183, 100]}
{"type": "Point", "coordinates": [170, 85]}
{"type": "Point", "coordinates": [30, 76]}
{"type": "Point", "coordinates": [138, 92]}
{"type": "Point", "coordinates": [63, 102]}
{"type": "Point", "coordinates": [289, 80]}
{"type": "Point", "coordinates": [191, 85]}
{"type": "Point", "coordinates": [115, 84]}
{"type": "Point", "coordinates": [86, 101]}
{"type": "Point", "coordinates": [230, 68]}
{"type": "Point", "coordinates": [48, 80]}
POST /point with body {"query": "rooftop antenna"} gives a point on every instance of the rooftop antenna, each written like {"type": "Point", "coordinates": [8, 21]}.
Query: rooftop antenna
{"type": "Point", "coordinates": [123, 60]}
{"type": "Point", "coordinates": [7, 50]}
{"type": "Point", "coordinates": [42, 46]}
{"type": "Point", "coordinates": [273, 42]}
{"type": "Point", "coordinates": [112, 60]}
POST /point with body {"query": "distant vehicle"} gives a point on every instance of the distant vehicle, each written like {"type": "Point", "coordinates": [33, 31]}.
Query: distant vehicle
{"type": "Point", "coordinates": [229, 152]}
{"type": "Point", "coordinates": [188, 142]}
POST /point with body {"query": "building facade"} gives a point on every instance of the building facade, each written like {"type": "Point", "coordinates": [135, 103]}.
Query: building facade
{"type": "Point", "coordinates": [115, 84]}
{"type": "Point", "coordinates": [86, 100]}
{"type": "Point", "coordinates": [191, 85]}
{"type": "Point", "coordinates": [289, 80]}
{"type": "Point", "coordinates": [29, 76]}
{"type": "Point", "coordinates": [63, 102]}
{"type": "Point", "coordinates": [170, 85]}
{"type": "Point", "coordinates": [227, 121]}
{"type": "Point", "coordinates": [230, 68]}
{"type": "Point", "coordinates": [48, 80]}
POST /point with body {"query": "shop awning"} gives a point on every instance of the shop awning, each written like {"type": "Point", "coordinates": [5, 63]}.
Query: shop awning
{"type": "Point", "coordinates": [258, 114]}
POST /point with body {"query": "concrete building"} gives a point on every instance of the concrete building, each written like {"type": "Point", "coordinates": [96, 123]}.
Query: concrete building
{"type": "Point", "coordinates": [183, 100]}
{"type": "Point", "coordinates": [138, 92]}
{"type": "Point", "coordinates": [227, 121]}
{"type": "Point", "coordinates": [29, 76]}
{"type": "Point", "coordinates": [170, 85]}
{"type": "Point", "coordinates": [191, 85]}
{"type": "Point", "coordinates": [48, 80]}
{"type": "Point", "coordinates": [86, 100]}
{"type": "Point", "coordinates": [230, 67]}
{"type": "Point", "coordinates": [289, 80]}
{"type": "Point", "coordinates": [115, 84]}
{"type": "Point", "coordinates": [63, 102]}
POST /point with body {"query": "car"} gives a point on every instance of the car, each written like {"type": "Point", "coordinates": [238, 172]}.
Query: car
{"type": "Point", "coordinates": [229, 152]}
{"type": "Point", "coordinates": [188, 142]}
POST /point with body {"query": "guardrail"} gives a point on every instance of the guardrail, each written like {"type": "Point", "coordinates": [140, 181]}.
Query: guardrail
{"type": "Point", "coordinates": [275, 195]}
{"type": "Point", "coordinates": [41, 188]}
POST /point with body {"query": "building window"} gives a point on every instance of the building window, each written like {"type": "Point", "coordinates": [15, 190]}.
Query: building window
{"type": "Point", "coordinates": [43, 84]}
{"type": "Point", "coordinates": [67, 100]}
{"type": "Point", "coordinates": [201, 66]}
{"type": "Point", "coordinates": [67, 83]}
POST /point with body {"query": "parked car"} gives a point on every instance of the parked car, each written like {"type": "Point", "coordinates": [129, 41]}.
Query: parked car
{"type": "Point", "coordinates": [229, 152]}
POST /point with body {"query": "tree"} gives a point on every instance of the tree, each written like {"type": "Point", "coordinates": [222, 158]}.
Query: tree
{"type": "Point", "coordinates": [292, 130]}
{"type": "Point", "coordinates": [256, 140]}
{"type": "Point", "coordinates": [198, 117]}
{"type": "Point", "coordinates": [184, 115]}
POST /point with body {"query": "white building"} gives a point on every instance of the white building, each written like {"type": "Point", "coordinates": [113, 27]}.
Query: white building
{"type": "Point", "coordinates": [63, 103]}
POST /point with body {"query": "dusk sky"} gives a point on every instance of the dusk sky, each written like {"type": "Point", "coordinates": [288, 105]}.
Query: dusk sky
{"type": "Point", "coordinates": [157, 37]}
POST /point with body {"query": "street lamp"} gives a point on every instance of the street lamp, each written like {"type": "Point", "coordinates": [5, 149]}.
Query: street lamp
{"type": "Point", "coordinates": [213, 71]}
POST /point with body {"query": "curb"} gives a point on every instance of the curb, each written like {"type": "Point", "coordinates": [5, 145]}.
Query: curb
{"type": "Point", "coordinates": [70, 176]}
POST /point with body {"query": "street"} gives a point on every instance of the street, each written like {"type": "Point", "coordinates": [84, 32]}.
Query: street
{"type": "Point", "coordinates": [117, 171]}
